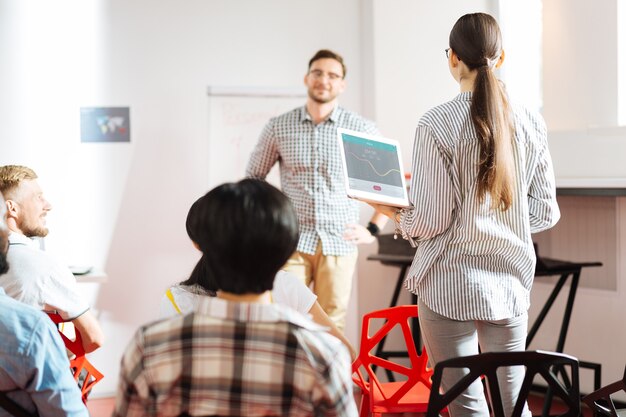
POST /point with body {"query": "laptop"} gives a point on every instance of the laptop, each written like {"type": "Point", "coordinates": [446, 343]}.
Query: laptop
{"type": "Point", "coordinates": [372, 168]}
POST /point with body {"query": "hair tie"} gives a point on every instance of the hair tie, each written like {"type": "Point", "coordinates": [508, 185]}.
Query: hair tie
{"type": "Point", "coordinates": [490, 63]}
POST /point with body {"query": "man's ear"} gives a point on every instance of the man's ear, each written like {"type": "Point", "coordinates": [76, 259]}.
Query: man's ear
{"type": "Point", "coordinates": [12, 209]}
{"type": "Point", "coordinates": [342, 85]}
{"type": "Point", "coordinates": [500, 60]}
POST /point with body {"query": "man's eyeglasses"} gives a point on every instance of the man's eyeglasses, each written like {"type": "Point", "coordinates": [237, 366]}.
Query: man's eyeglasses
{"type": "Point", "coordinates": [447, 52]}
{"type": "Point", "coordinates": [318, 74]}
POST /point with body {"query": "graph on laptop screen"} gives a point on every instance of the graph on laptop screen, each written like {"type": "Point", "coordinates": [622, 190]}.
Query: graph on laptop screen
{"type": "Point", "coordinates": [372, 166]}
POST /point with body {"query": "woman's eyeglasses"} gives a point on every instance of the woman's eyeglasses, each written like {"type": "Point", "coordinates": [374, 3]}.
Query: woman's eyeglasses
{"type": "Point", "coordinates": [447, 50]}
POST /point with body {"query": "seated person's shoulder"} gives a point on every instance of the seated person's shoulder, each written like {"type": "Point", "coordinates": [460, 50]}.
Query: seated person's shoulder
{"type": "Point", "coordinates": [22, 321]}
{"type": "Point", "coordinates": [165, 330]}
{"type": "Point", "coordinates": [180, 299]}
{"type": "Point", "coordinates": [27, 261]}
{"type": "Point", "coordinates": [37, 279]}
{"type": "Point", "coordinates": [320, 346]}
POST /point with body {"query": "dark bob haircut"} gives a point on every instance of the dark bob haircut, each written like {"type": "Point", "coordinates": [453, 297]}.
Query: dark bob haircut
{"type": "Point", "coordinates": [246, 232]}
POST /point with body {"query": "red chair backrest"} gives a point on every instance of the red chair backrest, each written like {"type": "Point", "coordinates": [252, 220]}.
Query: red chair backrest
{"type": "Point", "coordinates": [79, 365]}
{"type": "Point", "coordinates": [418, 371]}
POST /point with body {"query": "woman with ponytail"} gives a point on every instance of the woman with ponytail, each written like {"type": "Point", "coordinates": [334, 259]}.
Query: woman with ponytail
{"type": "Point", "coordinates": [482, 183]}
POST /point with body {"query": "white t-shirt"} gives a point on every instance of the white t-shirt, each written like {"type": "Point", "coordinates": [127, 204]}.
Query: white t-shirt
{"type": "Point", "coordinates": [36, 279]}
{"type": "Point", "coordinates": [288, 291]}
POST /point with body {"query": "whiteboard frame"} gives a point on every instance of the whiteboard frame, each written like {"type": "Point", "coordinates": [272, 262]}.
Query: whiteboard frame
{"type": "Point", "coordinates": [256, 91]}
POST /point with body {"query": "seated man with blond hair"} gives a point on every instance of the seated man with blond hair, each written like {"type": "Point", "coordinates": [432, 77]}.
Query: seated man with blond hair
{"type": "Point", "coordinates": [34, 370]}
{"type": "Point", "coordinates": [35, 278]}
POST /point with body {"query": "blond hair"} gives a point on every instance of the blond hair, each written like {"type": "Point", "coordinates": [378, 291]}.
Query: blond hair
{"type": "Point", "coordinates": [11, 176]}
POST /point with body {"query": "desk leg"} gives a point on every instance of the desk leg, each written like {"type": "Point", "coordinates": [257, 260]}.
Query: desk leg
{"type": "Point", "coordinates": [396, 291]}
{"type": "Point", "coordinates": [546, 308]}
{"type": "Point", "coordinates": [564, 327]}
{"type": "Point", "coordinates": [415, 325]}
{"type": "Point", "coordinates": [560, 345]}
{"type": "Point", "coordinates": [568, 311]}
{"type": "Point", "coordinates": [566, 315]}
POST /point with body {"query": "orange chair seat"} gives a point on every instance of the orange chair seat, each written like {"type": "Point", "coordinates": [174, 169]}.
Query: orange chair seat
{"type": "Point", "coordinates": [413, 401]}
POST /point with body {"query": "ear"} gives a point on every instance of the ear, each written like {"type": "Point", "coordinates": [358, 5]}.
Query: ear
{"type": "Point", "coordinates": [500, 60]}
{"type": "Point", "coordinates": [342, 85]}
{"type": "Point", "coordinates": [454, 59]}
{"type": "Point", "coordinates": [195, 245]}
{"type": "Point", "coordinates": [306, 79]}
{"type": "Point", "coordinates": [12, 209]}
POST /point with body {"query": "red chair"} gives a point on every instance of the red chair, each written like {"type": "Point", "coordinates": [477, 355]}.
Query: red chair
{"type": "Point", "coordinates": [412, 392]}
{"type": "Point", "coordinates": [85, 374]}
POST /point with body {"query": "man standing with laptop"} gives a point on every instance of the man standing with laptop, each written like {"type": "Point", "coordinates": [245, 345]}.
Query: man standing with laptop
{"type": "Point", "coordinates": [304, 142]}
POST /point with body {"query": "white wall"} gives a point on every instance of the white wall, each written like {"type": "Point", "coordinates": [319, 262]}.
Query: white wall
{"type": "Point", "coordinates": [580, 58]}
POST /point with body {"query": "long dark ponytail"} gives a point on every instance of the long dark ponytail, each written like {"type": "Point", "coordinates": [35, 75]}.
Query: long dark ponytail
{"type": "Point", "coordinates": [476, 40]}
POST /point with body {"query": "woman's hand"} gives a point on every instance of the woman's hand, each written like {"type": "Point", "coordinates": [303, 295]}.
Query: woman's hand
{"type": "Point", "coordinates": [388, 211]}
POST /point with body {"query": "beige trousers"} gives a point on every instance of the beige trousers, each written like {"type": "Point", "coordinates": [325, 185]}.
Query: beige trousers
{"type": "Point", "coordinates": [331, 277]}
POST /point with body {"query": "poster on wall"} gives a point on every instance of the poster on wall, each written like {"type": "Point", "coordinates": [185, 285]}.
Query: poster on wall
{"type": "Point", "coordinates": [105, 124]}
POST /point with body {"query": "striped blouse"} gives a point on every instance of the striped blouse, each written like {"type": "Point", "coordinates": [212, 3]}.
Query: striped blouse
{"type": "Point", "coordinates": [474, 263]}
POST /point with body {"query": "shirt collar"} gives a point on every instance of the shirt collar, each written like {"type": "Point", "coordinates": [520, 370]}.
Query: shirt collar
{"type": "Point", "coordinates": [16, 238]}
{"type": "Point", "coordinates": [334, 115]}
{"type": "Point", "coordinates": [464, 96]}
{"type": "Point", "coordinates": [253, 312]}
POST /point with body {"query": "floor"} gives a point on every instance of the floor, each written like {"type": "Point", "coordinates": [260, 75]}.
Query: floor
{"type": "Point", "coordinates": [103, 407]}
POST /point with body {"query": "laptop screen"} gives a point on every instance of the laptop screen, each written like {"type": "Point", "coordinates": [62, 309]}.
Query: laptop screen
{"type": "Point", "coordinates": [373, 170]}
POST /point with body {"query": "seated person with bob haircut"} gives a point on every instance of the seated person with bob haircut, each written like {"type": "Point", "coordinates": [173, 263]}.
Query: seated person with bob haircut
{"type": "Point", "coordinates": [238, 353]}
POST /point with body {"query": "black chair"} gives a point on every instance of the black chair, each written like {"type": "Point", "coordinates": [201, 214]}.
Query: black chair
{"type": "Point", "coordinates": [600, 400]}
{"type": "Point", "coordinates": [14, 408]}
{"type": "Point", "coordinates": [486, 364]}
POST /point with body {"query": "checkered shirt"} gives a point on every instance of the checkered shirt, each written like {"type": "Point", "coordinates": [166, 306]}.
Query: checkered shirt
{"type": "Point", "coordinates": [311, 174]}
{"type": "Point", "coordinates": [235, 359]}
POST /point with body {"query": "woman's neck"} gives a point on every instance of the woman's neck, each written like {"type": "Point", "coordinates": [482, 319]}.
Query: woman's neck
{"type": "Point", "coordinates": [467, 82]}
{"type": "Point", "coordinates": [263, 298]}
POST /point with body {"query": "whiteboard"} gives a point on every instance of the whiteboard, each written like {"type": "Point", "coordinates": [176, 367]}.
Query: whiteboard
{"type": "Point", "coordinates": [237, 116]}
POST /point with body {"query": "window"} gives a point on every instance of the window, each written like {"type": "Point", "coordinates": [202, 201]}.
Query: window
{"type": "Point", "coordinates": [521, 24]}
{"type": "Point", "coordinates": [621, 63]}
